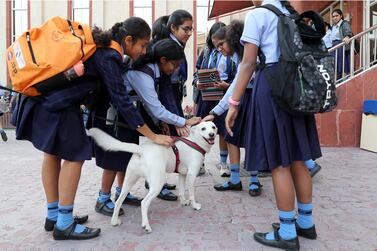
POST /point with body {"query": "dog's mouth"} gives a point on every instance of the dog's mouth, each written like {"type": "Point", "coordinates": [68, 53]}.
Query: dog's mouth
{"type": "Point", "coordinates": [210, 141]}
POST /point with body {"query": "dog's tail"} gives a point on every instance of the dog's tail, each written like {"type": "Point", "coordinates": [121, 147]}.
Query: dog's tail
{"type": "Point", "coordinates": [109, 143]}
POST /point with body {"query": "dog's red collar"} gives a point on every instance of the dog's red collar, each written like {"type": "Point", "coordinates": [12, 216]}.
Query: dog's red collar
{"type": "Point", "coordinates": [187, 142]}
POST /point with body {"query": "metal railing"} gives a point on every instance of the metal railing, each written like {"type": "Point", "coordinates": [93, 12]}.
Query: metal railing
{"type": "Point", "coordinates": [353, 63]}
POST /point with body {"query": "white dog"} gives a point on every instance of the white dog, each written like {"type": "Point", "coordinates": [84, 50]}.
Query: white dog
{"type": "Point", "coordinates": [153, 161]}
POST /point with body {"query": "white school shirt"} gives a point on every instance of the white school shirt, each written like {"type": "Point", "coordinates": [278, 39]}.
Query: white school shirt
{"type": "Point", "coordinates": [220, 64]}
{"type": "Point", "coordinates": [223, 104]}
{"type": "Point", "coordinates": [144, 86]}
{"type": "Point", "coordinates": [327, 39]}
{"type": "Point", "coordinates": [261, 30]}
{"type": "Point", "coordinates": [335, 34]}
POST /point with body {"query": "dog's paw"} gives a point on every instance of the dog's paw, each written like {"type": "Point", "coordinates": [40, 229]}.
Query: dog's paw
{"type": "Point", "coordinates": [116, 222]}
{"type": "Point", "coordinates": [196, 206]}
{"type": "Point", "coordinates": [184, 202]}
{"type": "Point", "coordinates": [147, 229]}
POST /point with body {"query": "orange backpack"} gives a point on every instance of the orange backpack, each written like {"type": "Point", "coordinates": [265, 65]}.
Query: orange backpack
{"type": "Point", "coordinates": [46, 51]}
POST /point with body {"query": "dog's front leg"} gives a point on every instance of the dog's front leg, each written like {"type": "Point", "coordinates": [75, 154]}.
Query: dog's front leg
{"type": "Point", "coordinates": [191, 183]}
{"type": "Point", "coordinates": [182, 185]}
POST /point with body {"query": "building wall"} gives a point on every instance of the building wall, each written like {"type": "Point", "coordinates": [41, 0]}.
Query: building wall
{"type": "Point", "coordinates": [104, 14]}
{"type": "Point", "coordinates": [3, 42]}
{"type": "Point", "coordinates": [342, 126]}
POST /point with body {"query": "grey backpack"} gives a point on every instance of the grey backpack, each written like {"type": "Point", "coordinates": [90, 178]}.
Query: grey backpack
{"type": "Point", "coordinates": [303, 82]}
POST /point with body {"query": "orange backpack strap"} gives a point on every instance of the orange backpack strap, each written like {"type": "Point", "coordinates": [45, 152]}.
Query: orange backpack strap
{"type": "Point", "coordinates": [115, 46]}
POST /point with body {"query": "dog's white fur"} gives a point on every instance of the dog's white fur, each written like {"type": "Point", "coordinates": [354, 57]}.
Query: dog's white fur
{"type": "Point", "coordinates": [153, 161]}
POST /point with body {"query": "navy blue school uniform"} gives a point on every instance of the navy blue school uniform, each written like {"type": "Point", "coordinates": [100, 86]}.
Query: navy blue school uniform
{"type": "Point", "coordinates": [337, 38]}
{"type": "Point", "coordinates": [178, 79]}
{"type": "Point", "coordinates": [54, 123]}
{"type": "Point", "coordinates": [124, 131]}
{"type": "Point", "coordinates": [144, 82]}
{"type": "Point", "coordinates": [226, 69]}
{"type": "Point", "coordinates": [223, 105]}
{"type": "Point", "coordinates": [275, 138]}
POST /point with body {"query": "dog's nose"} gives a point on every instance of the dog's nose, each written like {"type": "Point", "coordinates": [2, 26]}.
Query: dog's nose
{"type": "Point", "coordinates": [211, 134]}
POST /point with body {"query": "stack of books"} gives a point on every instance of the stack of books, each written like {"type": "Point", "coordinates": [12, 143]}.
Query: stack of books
{"type": "Point", "coordinates": [206, 83]}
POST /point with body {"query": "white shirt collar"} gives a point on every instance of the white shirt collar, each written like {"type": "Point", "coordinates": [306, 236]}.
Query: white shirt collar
{"type": "Point", "coordinates": [235, 58]}
{"type": "Point", "coordinates": [156, 69]}
{"type": "Point", "coordinates": [176, 40]}
{"type": "Point", "coordinates": [339, 23]}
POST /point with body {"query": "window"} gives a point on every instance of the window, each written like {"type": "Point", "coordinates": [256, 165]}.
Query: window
{"type": "Point", "coordinates": [327, 13]}
{"type": "Point", "coordinates": [143, 9]}
{"type": "Point", "coordinates": [81, 11]}
{"type": "Point", "coordinates": [202, 24]}
{"type": "Point", "coordinates": [19, 18]}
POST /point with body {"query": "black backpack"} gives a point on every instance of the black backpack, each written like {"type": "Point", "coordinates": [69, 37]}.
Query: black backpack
{"type": "Point", "coordinates": [304, 79]}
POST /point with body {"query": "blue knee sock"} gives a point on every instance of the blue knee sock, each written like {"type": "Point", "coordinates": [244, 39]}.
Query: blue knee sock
{"type": "Point", "coordinates": [287, 229]}
{"type": "Point", "coordinates": [118, 191]}
{"type": "Point", "coordinates": [305, 218]}
{"type": "Point", "coordinates": [235, 173]}
{"type": "Point", "coordinates": [310, 164]}
{"type": "Point", "coordinates": [223, 156]}
{"type": "Point", "coordinates": [65, 219]}
{"type": "Point", "coordinates": [52, 210]}
{"type": "Point", "coordinates": [165, 191]}
{"type": "Point", "coordinates": [253, 179]}
{"type": "Point", "coordinates": [103, 197]}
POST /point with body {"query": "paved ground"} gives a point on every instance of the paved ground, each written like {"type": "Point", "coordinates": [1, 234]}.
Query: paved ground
{"type": "Point", "coordinates": [344, 198]}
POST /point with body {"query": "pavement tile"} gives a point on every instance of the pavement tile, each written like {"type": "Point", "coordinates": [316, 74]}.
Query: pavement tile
{"type": "Point", "coordinates": [344, 199]}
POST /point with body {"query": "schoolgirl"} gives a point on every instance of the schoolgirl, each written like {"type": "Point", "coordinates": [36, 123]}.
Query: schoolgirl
{"type": "Point", "coordinates": [212, 58]}
{"type": "Point", "coordinates": [54, 124]}
{"type": "Point", "coordinates": [163, 58]}
{"type": "Point", "coordinates": [230, 45]}
{"type": "Point", "coordinates": [177, 27]}
{"type": "Point", "coordinates": [341, 31]}
{"type": "Point", "coordinates": [275, 139]}
{"type": "Point", "coordinates": [203, 60]}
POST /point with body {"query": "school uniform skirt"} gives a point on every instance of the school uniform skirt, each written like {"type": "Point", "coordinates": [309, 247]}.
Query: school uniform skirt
{"type": "Point", "coordinates": [113, 161]}
{"type": "Point", "coordinates": [339, 59]}
{"type": "Point", "coordinates": [60, 133]}
{"type": "Point", "coordinates": [241, 128]}
{"type": "Point", "coordinates": [277, 138]}
{"type": "Point", "coordinates": [203, 109]}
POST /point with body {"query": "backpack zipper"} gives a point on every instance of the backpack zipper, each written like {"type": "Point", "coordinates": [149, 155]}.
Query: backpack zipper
{"type": "Point", "coordinates": [74, 34]}
{"type": "Point", "coordinates": [30, 48]}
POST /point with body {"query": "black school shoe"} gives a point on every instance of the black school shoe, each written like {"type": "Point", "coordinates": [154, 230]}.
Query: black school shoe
{"type": "Point", "coordinates": [4, 136]}
{"type": "Point", "coordinates": [309, 233]}
{"type": "Point", "coordinates": [257, 191]}
{"type": "Point", "coordinates": [69, 233]}
{"type": "Point", "coordinates": [49, 224]}
{"type": "Point", "coordinates": [102, 208]}
{"type": "Point", "coordinates": [231, 186]}
{"type": "Point", "coordinates": [166, 186]}
{"type": "Point", "coordinates": [289, 245]}
{"type": "Point", "coordinates": [315, 170]}
{"type": "Point", "coordinates": [169, 196]}
{"type": "Point", "coordinates": [134, 201]}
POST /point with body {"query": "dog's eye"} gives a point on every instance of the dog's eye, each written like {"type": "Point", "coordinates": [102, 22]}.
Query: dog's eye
{"type": "Point", "coordinates": [213, 127]}
{"type": "Point", "coordinates": [203, 128]}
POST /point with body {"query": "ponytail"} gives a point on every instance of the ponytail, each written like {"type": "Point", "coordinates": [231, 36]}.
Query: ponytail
{"type": "Point", "coordinates": [164, 48]}
{"type": "Point", "coordinates": [135, 27]}
{"type": "Point", "coordinates": [160, 29]}
{"type": "Point", "coordinates": [233, 36]}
